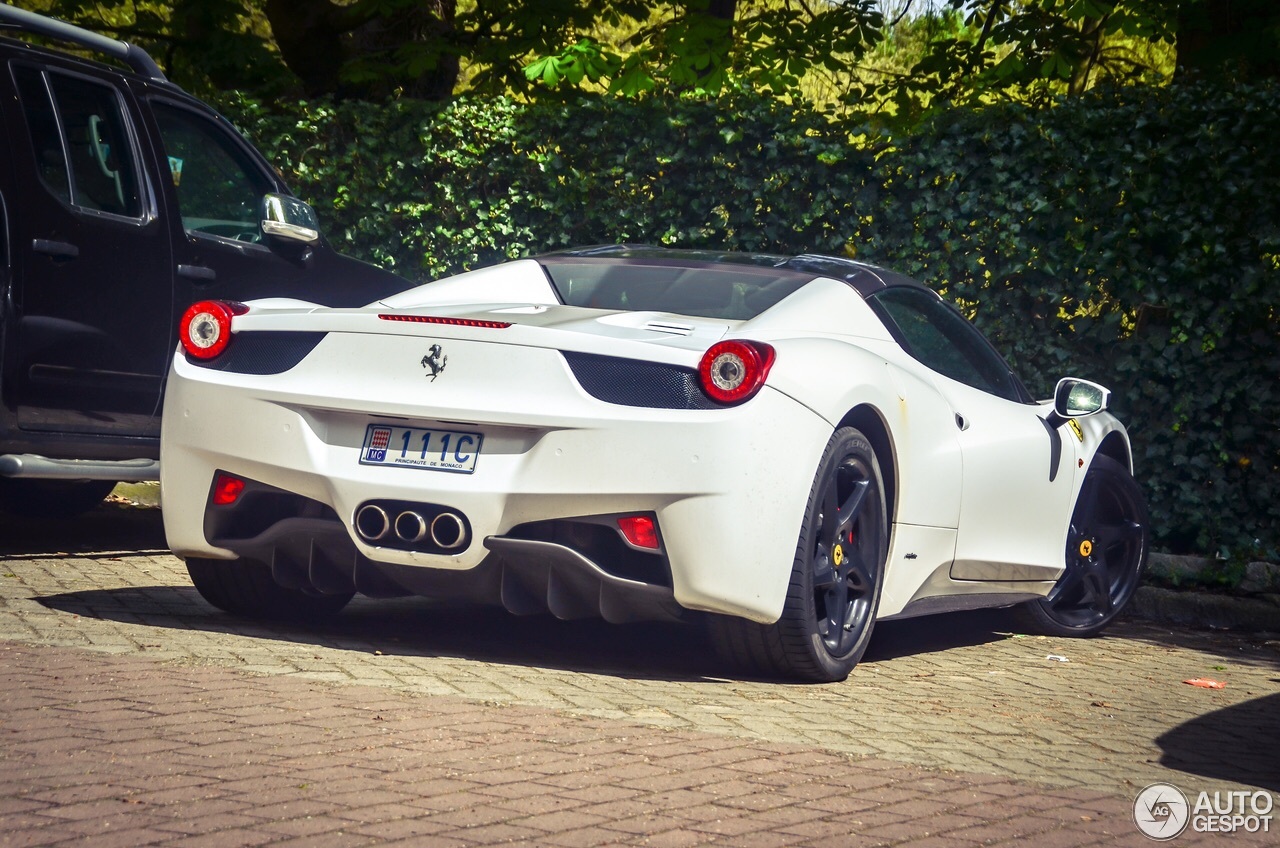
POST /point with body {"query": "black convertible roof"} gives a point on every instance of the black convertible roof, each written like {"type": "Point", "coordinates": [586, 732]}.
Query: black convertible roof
{"type": "Point", "coordinates": [864, 278]}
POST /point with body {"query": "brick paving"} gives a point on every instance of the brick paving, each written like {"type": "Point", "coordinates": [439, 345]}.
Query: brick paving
{"type": "Point", "coordinates": [133, 714]}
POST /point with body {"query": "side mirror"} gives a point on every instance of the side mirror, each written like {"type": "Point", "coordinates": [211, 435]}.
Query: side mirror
{"type": "Point", "coordinates": [288, 218]}
{"type": "Point", "coordinates": [1075, 398]}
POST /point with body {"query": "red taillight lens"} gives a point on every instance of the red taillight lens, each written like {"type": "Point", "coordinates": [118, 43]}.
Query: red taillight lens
{"type": "Point", "coordinates": [205, 329]}
{"type": "Point", "coordinates": [640, 531]}
{"type": "Point", "coordinates": [227, 489]}
{"type": "Point", "coordinates": [734, 370]}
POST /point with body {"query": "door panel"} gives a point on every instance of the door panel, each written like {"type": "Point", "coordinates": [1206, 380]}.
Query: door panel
{"type": "Point", "coordinates": [1013, 517]}
{"type": "Point", "coordinates": [1016, 487]}
{"type": "Point", "coordinates": [217, 185]}
{"type": "Point", "coordinates": [93, 290]}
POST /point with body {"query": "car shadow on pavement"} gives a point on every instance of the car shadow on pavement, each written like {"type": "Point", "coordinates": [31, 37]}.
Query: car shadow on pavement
{"type": "Point", "coordinates": [1238, 744]}
{"type": "Point", "coordinates": [421, 627]}
{"type": "Point", "coordinates": [109, 527]}
{"type": "Point", "coordinates": [931, 633]}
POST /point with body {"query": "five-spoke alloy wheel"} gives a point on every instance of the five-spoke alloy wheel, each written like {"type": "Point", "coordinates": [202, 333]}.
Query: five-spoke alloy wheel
{"type": "Point", "coordinates": [836, 577]}
{"type": "Point", "coordinates": [1106, 552]}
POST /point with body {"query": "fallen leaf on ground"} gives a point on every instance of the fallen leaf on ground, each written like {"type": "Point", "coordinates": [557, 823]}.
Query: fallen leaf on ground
{"type": "Point", "coordinates": [1205, 683]}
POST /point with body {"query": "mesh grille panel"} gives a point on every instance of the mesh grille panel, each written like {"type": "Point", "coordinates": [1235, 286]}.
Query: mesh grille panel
{"type": "Point", "coordinates": [263, 352]}
{"type": "Point", "coordinates": [634, 382]}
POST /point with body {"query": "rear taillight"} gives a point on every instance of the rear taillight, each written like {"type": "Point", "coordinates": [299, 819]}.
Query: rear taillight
{"type": "Point", "coordinates": [640, 530]}
{"type": "Point", "coordinates": [205, 329]}
{"type": "Point", "coordinates": [733, 371]}
{"type": "Point", "coordinates": [227, 489]}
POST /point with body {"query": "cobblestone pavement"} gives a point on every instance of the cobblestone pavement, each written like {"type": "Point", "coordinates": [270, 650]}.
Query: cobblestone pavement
{"type": "Point", "coordinates": [132, 713]}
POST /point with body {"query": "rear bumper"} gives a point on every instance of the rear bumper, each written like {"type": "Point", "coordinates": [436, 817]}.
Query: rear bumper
{"type": "Point", "coordinates": [524, 576]}
{"type": "Point", "coordinates": [728, 487]}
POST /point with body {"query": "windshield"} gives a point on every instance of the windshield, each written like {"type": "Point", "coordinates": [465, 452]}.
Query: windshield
{"type": "Point", "coordinates": [733, 292]}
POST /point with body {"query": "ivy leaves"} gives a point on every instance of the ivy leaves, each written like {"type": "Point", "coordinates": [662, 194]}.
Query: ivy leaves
{"type": "Point", "coordinates": [1130, 236]}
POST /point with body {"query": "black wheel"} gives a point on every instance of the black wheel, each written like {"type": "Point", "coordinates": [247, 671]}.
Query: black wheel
{"type": "Point", "coordinates": [244, 587]}
{"type": "Point", "coordinates": [1106, 552]}
{"type": "Point", "coordinates": [32, 498]}
{"type": "Point", "coordinates": [836, 577]}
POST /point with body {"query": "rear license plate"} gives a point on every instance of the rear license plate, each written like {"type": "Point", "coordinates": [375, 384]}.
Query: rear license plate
{"type": "Point", "coordinates": [417, 447]}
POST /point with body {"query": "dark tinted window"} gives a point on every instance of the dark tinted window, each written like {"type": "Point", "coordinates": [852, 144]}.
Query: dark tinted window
{"type": "Point", "coordinates": [727, 291]}
{"type": "Point", "coordinates": [940, 337]}
{"type": "Point", "coordinates": [219, 188]}
{"type": "Point", "coordinates": [83, 149]}
{"type": "Point", "coordinates": [42, 124]}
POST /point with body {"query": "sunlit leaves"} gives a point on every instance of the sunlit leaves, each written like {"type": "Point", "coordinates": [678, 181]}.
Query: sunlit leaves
{"type": "Point", "coordinates": [1030, 50]}
{"type": "Point", "coordinates": [585, 60]}
{"type": "Point", "coordinates": [766, 46]}
{"type": "Point", "coordinates": [1130, 235]}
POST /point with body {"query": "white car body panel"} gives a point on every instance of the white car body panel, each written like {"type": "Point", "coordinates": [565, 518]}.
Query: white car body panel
{"type": "Point", "coordinates": [973, 513]}
{"type": "Point", "coordinates": [536, 463]}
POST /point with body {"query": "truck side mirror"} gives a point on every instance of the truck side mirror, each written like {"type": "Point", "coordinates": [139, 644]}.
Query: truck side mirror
{"type": "Point", "coordinates": [290, 219]}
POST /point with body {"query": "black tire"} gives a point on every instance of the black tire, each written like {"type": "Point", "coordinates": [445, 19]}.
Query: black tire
{"type": "Point", "coordinates": [836, 577]}
{"type": "Point", "coordinates": [1106, 553]}
{"type": "Point", "coordinates": [244, 587]}
{"type": "Point", "coordinates": [33, 498]}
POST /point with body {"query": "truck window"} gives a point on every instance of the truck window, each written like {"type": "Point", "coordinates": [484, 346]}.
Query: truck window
{"type": "Point", "coordinates": [219, 190]}
{"type": "Point", "coordinates": [83, 149]}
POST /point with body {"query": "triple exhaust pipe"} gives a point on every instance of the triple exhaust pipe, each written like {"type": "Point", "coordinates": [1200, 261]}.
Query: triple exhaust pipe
{"type": "Point", "coordinates": [446, 530]}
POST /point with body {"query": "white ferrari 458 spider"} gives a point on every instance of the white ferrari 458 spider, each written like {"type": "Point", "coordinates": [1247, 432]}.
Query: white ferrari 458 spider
{"type": "Point", "coordinates": [786, 449]}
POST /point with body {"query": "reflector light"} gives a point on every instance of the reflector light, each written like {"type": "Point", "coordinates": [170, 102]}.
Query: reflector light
{"type": "Point", "coordinates": [205, 328]}
{"type": "Point", "coordinates": [227, 489]}
{"type": "Point", "coordinates": [733, 371]}
{"type": "Point", "coordinates": [640, 531]}
{"type": "Point", "coordinates": [452, 322]}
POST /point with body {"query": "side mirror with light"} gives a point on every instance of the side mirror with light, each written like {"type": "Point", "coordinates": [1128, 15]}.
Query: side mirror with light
{"type": "Point", "coordinates": [1076, 398]}
{"type": "Point", "coordinates": [290, 219]}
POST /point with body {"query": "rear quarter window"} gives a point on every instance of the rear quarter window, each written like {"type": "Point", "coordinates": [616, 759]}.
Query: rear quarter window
{"type": "Point", "coordinates": [938, 336]}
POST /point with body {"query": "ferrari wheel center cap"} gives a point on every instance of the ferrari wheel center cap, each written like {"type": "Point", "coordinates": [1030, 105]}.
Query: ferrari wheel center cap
{"type": "Point", "coordinates": [1086, 548]}
{"type": "Point", "coordinates": [837, 555]}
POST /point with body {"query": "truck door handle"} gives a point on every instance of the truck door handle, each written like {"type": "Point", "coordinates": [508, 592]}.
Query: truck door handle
{"type": "Point", "coordinates": [197, 272]}
{"type": "Point", "coordinates": [56, 249]}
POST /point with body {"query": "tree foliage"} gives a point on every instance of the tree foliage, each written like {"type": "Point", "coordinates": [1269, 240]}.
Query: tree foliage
{"type": "Point", "coordinates": [206, 45]}
{"type": "Point", "coordinates": [1031, 49]}
{"type": "Point", "coordinates": [710, 47]}
{"type": "Point", "coordinates": [957, 51]}
{"type": "Point", "coordinates": [1130, 235]}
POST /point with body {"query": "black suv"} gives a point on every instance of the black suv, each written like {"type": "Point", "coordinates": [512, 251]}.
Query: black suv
{"type": "Point", "coordinates": [122, 201]}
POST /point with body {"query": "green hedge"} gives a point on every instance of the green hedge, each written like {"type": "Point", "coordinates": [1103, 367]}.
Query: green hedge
{"type": "Point", "coordinates": [426, 190]}
{"type": "Point", "coordinates": [1131, 236]}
